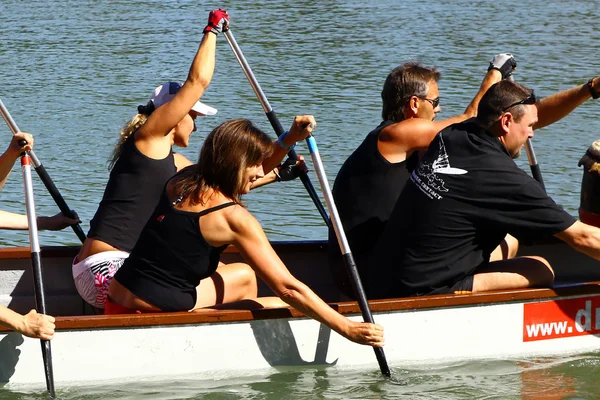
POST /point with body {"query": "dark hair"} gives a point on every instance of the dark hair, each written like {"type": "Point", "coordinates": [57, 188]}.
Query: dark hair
{"type": "Point", "coordinates": [500, 96]}
{"type": "Point", "coordinates": [407, 80]}
{"type": "Point", "coordinates": [228, 150]}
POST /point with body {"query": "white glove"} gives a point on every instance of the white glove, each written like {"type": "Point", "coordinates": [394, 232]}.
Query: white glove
{"type": "Point", "coordinates": [505, 63]}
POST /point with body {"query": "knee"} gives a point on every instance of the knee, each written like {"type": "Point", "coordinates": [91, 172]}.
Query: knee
{"type": "Point", "coordinates": [543, 273]}
{"type": "Point", "coordinates": [513, 246]}
{"type": "Point", "coordinates": [247, 279]}
{"type": "Point", "coordinates": [506, 250]}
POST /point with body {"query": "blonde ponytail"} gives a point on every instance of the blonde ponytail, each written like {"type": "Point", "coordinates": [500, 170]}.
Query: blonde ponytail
{"type": "Point", "coordinates": [128, 129]}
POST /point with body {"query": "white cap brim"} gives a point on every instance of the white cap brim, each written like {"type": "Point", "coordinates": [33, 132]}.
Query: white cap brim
{"type": "Point", "coordinates": [204, 109]}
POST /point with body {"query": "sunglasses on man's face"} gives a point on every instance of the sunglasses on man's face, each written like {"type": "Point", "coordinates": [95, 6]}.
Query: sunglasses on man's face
{"type": "Point", "coordinates": [531, 99]}
{"type": "Point", "coordinates": [434, 102]}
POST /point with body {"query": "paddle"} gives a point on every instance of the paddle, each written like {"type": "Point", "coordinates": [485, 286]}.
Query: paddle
{"type": "Point", "coordinates": [273, 119]}
{"type": "Point", "coordinates": [36, 263]}
{"type": "Point", "coordinates": [41, 171]}
{"type": "Point", "coordinates": [347, 253]}
{"type": "Point", "coordinates": [533, 164]}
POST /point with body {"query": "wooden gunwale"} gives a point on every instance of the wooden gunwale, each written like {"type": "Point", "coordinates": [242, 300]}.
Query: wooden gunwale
{"type": "Point", "coordinates": [418, 303]}
{"type": "Point", "coordinates": [219, 316]}
{"type": "Point", "coordinates": [71, 251]}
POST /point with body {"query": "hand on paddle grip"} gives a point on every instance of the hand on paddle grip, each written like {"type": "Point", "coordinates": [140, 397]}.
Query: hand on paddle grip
{"type": "Point", "coordinates": [57, 222]}
{"type": "Point", "coordinates": [291, 169]}
{"type": "Point", "coordinates": [505, 63]}
{"type": "Point", "coordinates": [302, 127]}
{"type": "Point", "coordinates": [365, 333]}
{"type": "Point", "coordinates": [218, 21]}
{"type": "Point", "coordinates": [20, 143]}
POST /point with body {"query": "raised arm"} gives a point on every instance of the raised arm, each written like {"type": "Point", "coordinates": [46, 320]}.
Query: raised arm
{"type": "Point", "coordinates": [415, 134]}
{"type": "Point", "coordinates": [200, 74]}
{"type": "Point", "coordinates": [251, 241]}
{"type": "Point", "coordinates": [301, 128]}
{"type": "Point", "coordinates": [557, 106]}
{"type": "Point", "coordinates": [501, 67]}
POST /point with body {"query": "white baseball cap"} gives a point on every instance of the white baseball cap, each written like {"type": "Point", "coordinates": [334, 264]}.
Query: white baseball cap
{"type": "Point", "coordinates": [165, 93]}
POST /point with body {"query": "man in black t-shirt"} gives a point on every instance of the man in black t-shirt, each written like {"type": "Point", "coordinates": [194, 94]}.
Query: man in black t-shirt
{"type": "Point", "coordinates": [467, 194]}
{"type": "Point", "coordinates": [371, 179]}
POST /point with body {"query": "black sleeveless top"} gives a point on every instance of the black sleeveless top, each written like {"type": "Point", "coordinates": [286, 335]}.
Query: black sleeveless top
{"type": "Point", "coordinates": [170, 258]}
{"type": "Point", "coordinates": [365, 191]}
{"type": "Point", "coordinates": [132, 192]}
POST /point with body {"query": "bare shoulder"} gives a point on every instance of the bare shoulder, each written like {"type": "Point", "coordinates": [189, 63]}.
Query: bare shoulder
{"type": "Point", "coordinates": [234, 218]}
{"type": "Point", "coordinates": [155, 147]}
{"type": "Point", "coordinates": [239, 219]}
{"type": "Point", "coordinates": [181, 161]}
{"type": "Point", "coordinates": [221, 227]}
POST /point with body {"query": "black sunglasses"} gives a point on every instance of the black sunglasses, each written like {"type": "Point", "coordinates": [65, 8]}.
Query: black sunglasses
{"type": "Point", "coordinates": [434, 102]}
{"type": "Point", "coordinates": [531, 99]}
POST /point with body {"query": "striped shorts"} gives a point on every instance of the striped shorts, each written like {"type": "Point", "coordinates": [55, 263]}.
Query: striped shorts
{"type": "Point", "coordinates": [93, 275]}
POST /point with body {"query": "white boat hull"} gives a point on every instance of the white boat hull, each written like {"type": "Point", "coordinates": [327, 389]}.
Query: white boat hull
{"type": "Point", "coordinates": [226, 349]}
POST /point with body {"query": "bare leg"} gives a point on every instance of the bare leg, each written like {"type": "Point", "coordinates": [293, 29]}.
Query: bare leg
{"type": "Point", "coordinates": [505, 250]}
{"type": "Point", "coordinates": [515, 273]}
{"type": "Point", "coordinates": [247, 304]}
{"type": "Point", "coordinates": [230, 282]}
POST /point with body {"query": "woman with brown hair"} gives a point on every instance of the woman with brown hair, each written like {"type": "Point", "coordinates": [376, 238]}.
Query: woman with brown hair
{"type": "Point", "coordinates": [175, 264]}
{"type": "Point", "coordinates": [143, 160]}
{"type": "Point", "coordinates": [141, 164]}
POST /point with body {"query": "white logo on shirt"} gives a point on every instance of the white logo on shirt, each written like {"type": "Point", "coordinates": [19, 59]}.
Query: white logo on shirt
{"type": "Point", "coordinates": [426, 175]}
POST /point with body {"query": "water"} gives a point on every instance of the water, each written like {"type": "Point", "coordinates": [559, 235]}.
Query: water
{"type": "Point", "coordinates": [72, 72]}
{"type": "Point", "coordinates": [542, 379]}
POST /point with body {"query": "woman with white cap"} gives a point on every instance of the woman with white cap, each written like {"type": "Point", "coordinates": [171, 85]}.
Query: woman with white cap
{"type": "Point", "coordinates": [175, 265]}
{"type": "Point", "coordinates": [142, 162]}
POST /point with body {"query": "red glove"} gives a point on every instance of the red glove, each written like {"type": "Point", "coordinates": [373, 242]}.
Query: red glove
{"type": "Point", "coordinates": [218, 20]}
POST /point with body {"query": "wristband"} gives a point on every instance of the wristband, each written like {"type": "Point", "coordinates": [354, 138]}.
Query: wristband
{"type": "Point", "coordinates": [593, 91]}
{"type": "Point", "coordinates": [283, 145]}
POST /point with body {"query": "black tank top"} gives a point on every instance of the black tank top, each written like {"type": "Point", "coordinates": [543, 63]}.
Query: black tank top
{"type": "Point", "coordinates": [365, 191]}
{"type": "Point", "coordinates": [170, 258]}
{"type": "Point", "coordinates": [132, 192]}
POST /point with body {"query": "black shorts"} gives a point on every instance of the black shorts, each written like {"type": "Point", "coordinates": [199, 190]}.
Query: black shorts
{"type": "Point", "coordinates": [463, 286]}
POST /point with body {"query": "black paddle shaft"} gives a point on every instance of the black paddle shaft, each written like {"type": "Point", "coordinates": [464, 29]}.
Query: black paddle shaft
{"type": "Point", "coordinates": [40, 303]}
{"type": "Point", "coordinates": [277, 127]}
{"type": "Point", "coordinates": [303, 175]}
{"type": "Point", "coordinates": [533, 163]}
{"type": "Point", "coordinates": [59, 200]}
{"type": "Point", "coordinates": [361, 298]}
{"type": "Point", "coordinates": [43, 174]}
{"type": "Point", "coordinates": [536, 172]}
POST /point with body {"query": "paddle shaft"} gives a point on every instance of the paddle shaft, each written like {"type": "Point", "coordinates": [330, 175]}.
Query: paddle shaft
{"type": "Point", "coordinates": [43, 174]}
{"type": "Point", "coordinates": [346, 252]}
{"type": "Point", "coordinates": [277, 127]}
{"type": "Point", "coordinates": [533, 163]}
{"type": "Point", "coordinates": [36, 263]}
